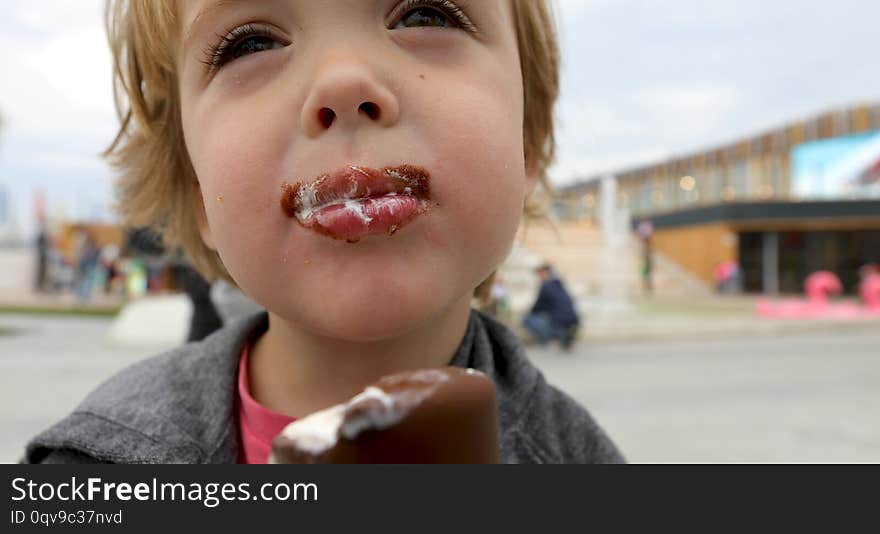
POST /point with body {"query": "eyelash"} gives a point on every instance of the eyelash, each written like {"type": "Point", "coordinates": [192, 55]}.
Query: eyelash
{"type": "Point", "coordinates": [455, 12]}
{"type": "Point", "coordinates": [217, 55]}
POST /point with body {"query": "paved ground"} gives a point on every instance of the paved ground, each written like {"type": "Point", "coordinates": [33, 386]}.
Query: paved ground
{"type": "Point", "coordinates": [795, 397]}
{"type": "Point", "coordinates": [805, 397]}
{"type": "Point", "coordinates": [47, 365]}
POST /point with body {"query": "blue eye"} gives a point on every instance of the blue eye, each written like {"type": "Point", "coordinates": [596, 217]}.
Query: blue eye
{"type": "Point", "coordinates": [252, 45]}
{"type": "Point", "coordinates": [424, 17]}
{"type": "Point", "coordinates": [242, 41]}
{"type": "Point", "coordinates": [431, 14]}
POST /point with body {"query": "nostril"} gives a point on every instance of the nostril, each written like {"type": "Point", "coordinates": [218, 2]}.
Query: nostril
{"type": "Point", "coordinates": [370, 109]}
{"type": "Point", "coordinates": [326, 116]}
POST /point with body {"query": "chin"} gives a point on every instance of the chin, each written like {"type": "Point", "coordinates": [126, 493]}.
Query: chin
{"type": "Point", "coordinates": [369, 314]}
{"type": "Point", "coordinates": [369, 328]}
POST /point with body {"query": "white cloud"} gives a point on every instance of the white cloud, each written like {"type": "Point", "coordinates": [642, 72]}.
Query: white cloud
{"type": "Point", "coordinates": [76, 64]}
{"type": "Point", "coordinates": [651, 76]}
{"type": "Point", "coordinates": [58, 81]}
{"type": "Point", "coordinates": [687, 100]}
{"type": "Point", "coordinates": [56, 103]}
{"type": "Point", "coordinates": [48, 16]}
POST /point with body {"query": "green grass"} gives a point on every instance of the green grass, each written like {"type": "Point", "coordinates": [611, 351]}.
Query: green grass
{"type": "Point", "coordinates": [702, 307]}
{"type": "Point", "coordinates": [72, 311]}
{"type": "Point", "coordinates": [711, 307]}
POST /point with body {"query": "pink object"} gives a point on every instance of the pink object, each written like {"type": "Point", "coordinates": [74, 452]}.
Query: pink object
{"type": "Point", "coordinates": [820, 285]}
{"type": "Point", "coordinates": [804, 309]}
{"type": "Point", "coordinates": [870, 292]}
{"type": "Point", "coordinates": [257, 425]}
{"type": "Point", "coordinates": [724, 270]}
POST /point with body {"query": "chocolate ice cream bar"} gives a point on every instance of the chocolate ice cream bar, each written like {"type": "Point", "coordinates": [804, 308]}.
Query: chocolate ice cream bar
{"type": "Point", "coordinates": [443, 415]}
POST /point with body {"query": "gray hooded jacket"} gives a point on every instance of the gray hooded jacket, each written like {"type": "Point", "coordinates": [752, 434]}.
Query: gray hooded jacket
{"type": "Point", "coordinates": [178, 407]}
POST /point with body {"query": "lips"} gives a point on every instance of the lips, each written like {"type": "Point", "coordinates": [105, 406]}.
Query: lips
{"type": "Point", "coordinates": [356, 202]}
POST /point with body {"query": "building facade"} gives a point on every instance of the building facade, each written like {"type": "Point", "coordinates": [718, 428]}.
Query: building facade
{"type": "Point", "coordinates": [789, 201]}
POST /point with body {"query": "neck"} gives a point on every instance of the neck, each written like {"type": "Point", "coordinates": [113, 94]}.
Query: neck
{"type": "Point", "coordinates": [295, 372]}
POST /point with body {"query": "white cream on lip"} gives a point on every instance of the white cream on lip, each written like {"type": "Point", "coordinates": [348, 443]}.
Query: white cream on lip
{"type": "Point", "coordinates": [390, 202]}
{"type": "Point", "coordinates": [308, 198]}
{"type": "Point", "coordinates": [356, 207]}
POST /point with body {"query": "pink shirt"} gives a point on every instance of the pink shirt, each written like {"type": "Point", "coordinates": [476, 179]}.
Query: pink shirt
{"type": "Point", "coordinates": [257, 425]}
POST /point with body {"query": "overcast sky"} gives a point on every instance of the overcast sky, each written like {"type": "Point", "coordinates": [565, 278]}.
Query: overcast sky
{"type": "Point", "coordinates": [642, 80]}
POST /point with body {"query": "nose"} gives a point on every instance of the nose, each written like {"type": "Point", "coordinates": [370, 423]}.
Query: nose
{"type": "Point", "coordinates": [348, 96]}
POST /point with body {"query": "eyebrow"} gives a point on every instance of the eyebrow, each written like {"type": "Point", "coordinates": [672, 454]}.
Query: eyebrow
{"type": "Point", "coordinates": [205, 13]}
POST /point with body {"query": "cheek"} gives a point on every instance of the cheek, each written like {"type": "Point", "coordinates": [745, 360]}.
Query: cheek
{"type": "Point", "coordinates": [483, 164]}
{"type": "Point", "coordinates": [239, 170]}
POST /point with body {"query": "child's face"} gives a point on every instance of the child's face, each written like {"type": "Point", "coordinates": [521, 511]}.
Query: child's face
{"type": "Point", "coordinates": [305, 88]}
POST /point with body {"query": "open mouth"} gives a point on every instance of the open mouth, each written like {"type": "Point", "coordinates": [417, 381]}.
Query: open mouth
{"type": "Point", "coordinates": [355, 202]}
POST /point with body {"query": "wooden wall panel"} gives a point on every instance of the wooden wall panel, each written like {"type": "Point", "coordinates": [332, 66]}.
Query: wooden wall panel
{"type": "Point", "coordinates": [698, 249]}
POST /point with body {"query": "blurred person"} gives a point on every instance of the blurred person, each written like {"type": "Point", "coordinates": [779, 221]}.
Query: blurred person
{"type": "Point", "coordinates": [43, 245]}
{"type": "Point", "coordinates": [109, 263]}
{"type": "Point", "coordinates": [149, 262]}
{"type": "Point", "coordinates": [646, 232]}
{"type": "Point", "coordinates": [647, 268]}
{"type": "Point", "coordinates": [88, 257]}
{"type": "Point", "coordinates": [205, 319]}
{"type": "Point", "coordinates": [553, 316]}
{"type": "Point", "coordinates": [231, 303]}
{"type": "Point", "coordinates": [136, 281]}
{"type": "Point", "coordinates": [494, 299]}
{"type": "Point", "coordinates": [213, 304]}
{"type": "Point", "coordinates": [157, 271]}
{"type": "Point", "coordinates": [499, 299]}
{"type": "Point", "coordinates": [728, 279]}
{"type": "Point", "coordinates": [60, 273]}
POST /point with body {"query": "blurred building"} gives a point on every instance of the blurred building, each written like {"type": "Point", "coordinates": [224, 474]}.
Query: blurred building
{"type": "Point", "coordinates": [133, 253]}
{"type": "Point", "coordinates": [784, 203]}
{"type": "Point", "coordinates": [102, 234]}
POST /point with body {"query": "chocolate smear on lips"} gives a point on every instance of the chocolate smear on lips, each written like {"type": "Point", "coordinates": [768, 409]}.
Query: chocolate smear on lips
{"type": "Point", "coordinates": [355, 202]}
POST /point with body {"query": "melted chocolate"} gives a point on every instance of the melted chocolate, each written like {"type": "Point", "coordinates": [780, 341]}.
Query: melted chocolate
{"type": "Point", "coordinates": [325, 187]}
{"type": "Point", "coordinates": [355, 202]}
{"type": "Point", "coordinates": [428, 416]}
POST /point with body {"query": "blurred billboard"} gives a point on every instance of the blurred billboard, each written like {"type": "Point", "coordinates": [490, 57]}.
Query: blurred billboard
{"type": "Point", "coordinates": [842, 167]}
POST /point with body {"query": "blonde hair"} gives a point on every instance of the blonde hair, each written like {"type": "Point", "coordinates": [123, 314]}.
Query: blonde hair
{"type": "Point", "coordinates": [157, 186]}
